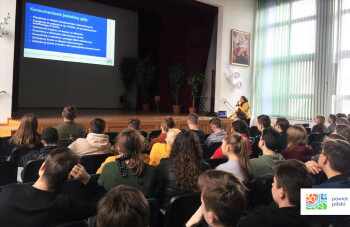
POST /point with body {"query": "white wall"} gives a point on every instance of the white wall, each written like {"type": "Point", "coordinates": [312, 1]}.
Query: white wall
{"type": "Point", "coordinates": [6, 59]}
{"type": "Point", "coordinates": [239, 15]}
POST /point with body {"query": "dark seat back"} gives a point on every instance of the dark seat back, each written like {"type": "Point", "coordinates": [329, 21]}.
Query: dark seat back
{"type": "Point", "coordinates": [154, 134]}
{"type": "Point", "coordinates": [154, 212]}
{"type": "Point", "coordinates": [253, 130]}
{"type": "Point", "coordinates": [17, 153]}
{"type": "Point", "coordinates": [112, 136]}
{"type": "Point", "coordinates": [91, 163]}
{"type": "Point", "coordinates": [316, 147]}
{"type": "Point", "coordinates": [8, 173]}
{"type": "Point", "coordinates": [216, 161]}
{"type": "Point", "coordinates": [30, 172]}
{"type": "Point", "coordinates": [314, 137]}
{"type": "Point", "coordinates": [144, 134]}
{"type": "Point", "coordinates": [5, 147]}
{"type": "Point", "coordinates": [211, 149]}
{"type": "Point", "coordinates": [261, 191]}
{"type": "Point", "coordinates": [181, 208]}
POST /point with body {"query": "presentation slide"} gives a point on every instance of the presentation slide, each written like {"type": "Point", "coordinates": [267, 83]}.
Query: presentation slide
{"type": "Point", "coordinates": [62, 35]}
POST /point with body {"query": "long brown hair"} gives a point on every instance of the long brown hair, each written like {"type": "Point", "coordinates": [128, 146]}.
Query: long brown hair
{"type": "Point", "coordinates": [186, 155]}
{"type": "Point", "coordinates": [127, 142]}
{"type": "Point", "coordinates": [239, 146]}
{"type": "Point", "coordinates": [296, 136]}
{"type": "Point", "coordinates": [27, 134]}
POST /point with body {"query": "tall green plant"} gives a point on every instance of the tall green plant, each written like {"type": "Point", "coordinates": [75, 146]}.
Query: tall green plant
{"type": "Point", "coordinates": [177, 79]}
{"type": "Point", "coordinates": [128, 70]}
{"type": "Point", "coordinates": [194, 81]}
{"type": "Point", "coordinates": [145, 76]}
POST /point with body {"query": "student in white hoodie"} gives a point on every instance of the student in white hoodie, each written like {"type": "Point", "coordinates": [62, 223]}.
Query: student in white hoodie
{"type": "Point", "coordinates": [95, 143]}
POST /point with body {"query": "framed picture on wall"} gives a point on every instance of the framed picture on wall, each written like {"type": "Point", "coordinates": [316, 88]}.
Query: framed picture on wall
{"type": "Point", "coordinates": [240, 48]}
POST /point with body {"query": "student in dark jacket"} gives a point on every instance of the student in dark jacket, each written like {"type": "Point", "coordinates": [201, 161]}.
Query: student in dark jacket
{"type": "Point", "coordinates": [281, 126]}
{"type": "Point", "coordinates": [192, 122]}
{"type": "Point", "coordinates": [286, 193]}
{"type": "Point", "coordinates": [262, 122]}
{"type": "Point", "coordinates": [49, 138]}
{"type": "Point", "coordinates": [179, 173]}
{"type": "Point", "coordinates": [41, 204]}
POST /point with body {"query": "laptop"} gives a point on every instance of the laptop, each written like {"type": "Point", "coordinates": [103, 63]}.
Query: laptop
{"type": "Point", "coordinates": [222, 114]}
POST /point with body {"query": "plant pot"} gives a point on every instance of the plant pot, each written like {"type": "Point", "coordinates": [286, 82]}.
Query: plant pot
{"type": "Point", "coordinates": [145, 107]}
{"type": "Point", "coordinates": [176, 109]}
{"type": "Point", "coordinates": [191, 110]}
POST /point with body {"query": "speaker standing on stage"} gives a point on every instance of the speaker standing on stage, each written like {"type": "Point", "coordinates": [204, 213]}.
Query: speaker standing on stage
{"type": "Point", "coordinates": [243, 106]}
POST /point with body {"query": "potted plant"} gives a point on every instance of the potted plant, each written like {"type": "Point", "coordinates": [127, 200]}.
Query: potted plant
{"type": "Point", "coordinates": [127, 68]}
{"type": "Point", "coordinates": [176, 78]}
{"type": "Point", "coordinates": [145, 76]}
{"type": "Point", "coordinates": [194, 81]}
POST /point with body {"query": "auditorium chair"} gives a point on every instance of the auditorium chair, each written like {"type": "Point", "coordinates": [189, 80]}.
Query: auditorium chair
{"type": "Point", "coordinates": [181, 208]}
{"type": "Point", "coordinates": [253, 130]}
{"type": "Point", "coordinates": [8, 172]}
{"type": "Point", "coordinates": [260, 192]}
{"type": "Point", "coordinates": [316, 147]}
{"type": "Point", "coordinates": [5, 148]}
{"type": "Point", "coordinates": [154, 212]}
{"type": "Point", "coordinates": [211, 149]}
{"type": "Point", "coordinates": [17, 153]}
{"type": "Point", "coordinates": [112, 136]}
{"type": "Point", "coordinates": [314, 137]}
{"type": "Point", "coordinates": [91, 163]}
{"type": "Point", "coordinates": [154, 134]}
{"type": "Point", "coordinates": [144, 134]}
{"type": "Point", "coordinates": [216, 161]}
{"type": "Point", "coordinates": [31, 170]}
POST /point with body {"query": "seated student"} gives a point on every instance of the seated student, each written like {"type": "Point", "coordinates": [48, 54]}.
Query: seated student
{"type": "Point", "coordinates": [297, 147]}
{"type": "Point", "coordinates": [49, 138]}
{"type": "Point", "coordinates": [40, 204]}
{"type": "Point", "coordinates": [123, 206]}
{"type": "Point", "coordinates": [242, 116]}
{"type": "Point", "coordinates": [192, 122]}
{"type": "Point", "coordinates": [268, 143]}
{"type": "Point", "coordinates": [234, 147]}
{"type": "Point", "coordinates": [129, 168]}
{"type": "Point", "coordinates": [334, 162]}
{"type": "Point", "coordinates": [179, 173]}
{"type": "Point", "coordinates": [69, 131]}
{"type": "Point", "coordinates": [343, 130]}
{"type": "Point", "coordinates": [342, 121]}
{"type": "Point", "coordinates": [331, 120]}
{"type": "Point", "coordinates": [217, 132]}
{"type": "Point", "coordinates": [162, 150]}
{"type": "Point", "coordinates": [290, 177]}
{"type": "Point", "coordinates": [135, 123]}
{"type": "Point", "coordinates": [239, 126]}
{"type": "Point", "coordinates": [223, 199]}
{"type": "Point", "coordinates": [262, 122]}
{"type": "Point", "coordinates": [96, 141]}
{"type": "Point", "coordinates": [281, 126]}
{"type": "Point", "coordinates": [27, 136]}
{"type": "Point", "coordinates": [166, 124]}
{"type": "Point", "coordinates": [319, 127]}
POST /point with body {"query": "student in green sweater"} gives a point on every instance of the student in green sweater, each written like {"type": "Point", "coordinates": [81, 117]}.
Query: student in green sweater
{"type": "Point", "coordinates": [129, 169]}
{"type": "Point", "coordinates": [262, 166]}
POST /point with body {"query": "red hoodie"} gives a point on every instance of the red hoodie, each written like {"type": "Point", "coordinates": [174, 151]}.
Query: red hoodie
{"type": "Point", "coordinates": [218, 153]}
{"type": "Point", "coordinates": [301, 153]}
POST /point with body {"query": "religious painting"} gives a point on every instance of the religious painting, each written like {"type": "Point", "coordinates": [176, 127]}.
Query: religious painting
{"type": "Point", "coordinates": [240, 49]}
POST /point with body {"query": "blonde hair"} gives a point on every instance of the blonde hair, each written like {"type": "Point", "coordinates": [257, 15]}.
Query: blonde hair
{"type": "Point", "coordinates": [171, 135]}
{"type": "Point", "coordinates": [239, 146]}
{"type": "Point", "coordinates": [296, 136]}
{"type": "Point", "coordinates": [321, 118]}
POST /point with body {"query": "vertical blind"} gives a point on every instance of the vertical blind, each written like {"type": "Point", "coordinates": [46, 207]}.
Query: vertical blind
{"type": "Point", "coordinates": [295, 57]}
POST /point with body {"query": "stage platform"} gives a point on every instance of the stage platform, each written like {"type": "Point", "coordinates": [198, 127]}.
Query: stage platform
{"type": "Point", "coordinates": [115, 119]}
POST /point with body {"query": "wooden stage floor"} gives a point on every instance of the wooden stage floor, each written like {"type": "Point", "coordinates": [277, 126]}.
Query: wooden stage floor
{"type": "Point", "coordinates": [115, 118]}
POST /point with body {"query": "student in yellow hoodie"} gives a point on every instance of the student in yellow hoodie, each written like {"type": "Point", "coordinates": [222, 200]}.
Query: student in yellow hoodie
{"type": "Point", "coordinates": [162, 150]}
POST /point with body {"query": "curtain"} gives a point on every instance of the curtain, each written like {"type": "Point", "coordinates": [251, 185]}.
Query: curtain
{"type": "Point", "coordinates": [294, 52]}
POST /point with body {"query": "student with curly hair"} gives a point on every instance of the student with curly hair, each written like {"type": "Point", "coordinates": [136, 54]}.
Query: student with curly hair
{"type": "Point", "coordinates": [179, 172]}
